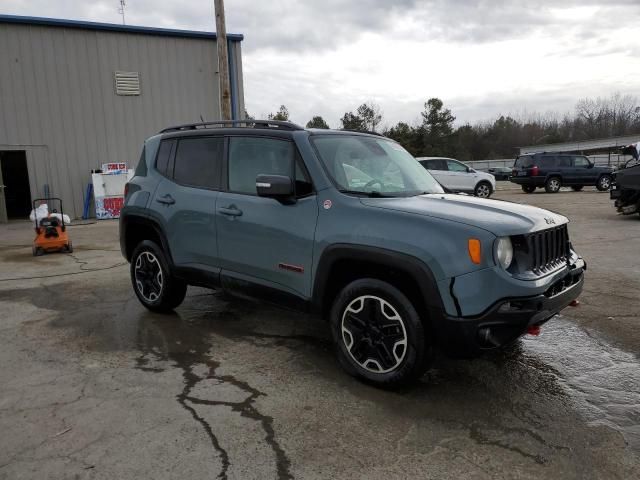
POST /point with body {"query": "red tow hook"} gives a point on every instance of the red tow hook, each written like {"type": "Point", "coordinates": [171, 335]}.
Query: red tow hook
{"type": "Point", "coordinates": [574, 303]}
{"type": "Point", "coordinates": [533, 330]}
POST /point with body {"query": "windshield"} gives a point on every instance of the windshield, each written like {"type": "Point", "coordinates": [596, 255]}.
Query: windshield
{"type": "Point", "coordinates": [368, 165]}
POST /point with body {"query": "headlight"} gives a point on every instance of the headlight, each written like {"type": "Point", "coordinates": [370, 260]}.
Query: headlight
{"type": "Point", "coordinates": [504, 252]}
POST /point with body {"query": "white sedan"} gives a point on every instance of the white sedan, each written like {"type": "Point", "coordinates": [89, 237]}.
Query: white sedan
{"type": "Point", "coordinates": [458, 177]}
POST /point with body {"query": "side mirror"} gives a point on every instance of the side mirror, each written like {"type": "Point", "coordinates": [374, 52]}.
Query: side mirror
{"type": "Point", "coordinates": [470, 170]}
{"type": "Point", "coordinates": [279, 187]}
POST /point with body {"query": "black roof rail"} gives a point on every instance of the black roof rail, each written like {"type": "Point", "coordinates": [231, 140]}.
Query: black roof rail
{"type": "Point", "coordinates": [370, 132]}
{"type": "Point", "coordinates": [277, 124]}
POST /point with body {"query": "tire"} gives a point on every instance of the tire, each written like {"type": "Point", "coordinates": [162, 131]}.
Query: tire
{"type": "Point", "coordinates": [152, 281]}
{"type": "Point", "coordinates": [69, 247]}
{"type": "Point", "coordinates": [528, 188]}
{"type": "Point", "coordinates": [483, 190]}
{"type": "Point", "coordinates": [604, 183]}
{"type": "Point", "coordinates": [552, 185]}
{"type": "Point", "coordinates": [356, 337]}
{"type": "Point", "coordinates": [577, 188]}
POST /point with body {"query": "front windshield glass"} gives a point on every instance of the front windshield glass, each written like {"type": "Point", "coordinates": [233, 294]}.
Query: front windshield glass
{"type": "Point", "coordinates": [368, 165]}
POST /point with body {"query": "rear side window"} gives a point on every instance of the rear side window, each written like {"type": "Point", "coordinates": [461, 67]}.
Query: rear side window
{"type": "Point", "coordinates": [198, 162]}
{"type": "Point", "coordinates": [141, 168]}
{"type": "Point", "coordinates": [435, 164]}
{"type": "Point", "coordinates": [546, 162]}
{"type": "Point", "coordinates": [253, 156]}
{"type": "Point", "coordinates": [564, 161]}
{"type": "Point", "coordinates": [164, 154]}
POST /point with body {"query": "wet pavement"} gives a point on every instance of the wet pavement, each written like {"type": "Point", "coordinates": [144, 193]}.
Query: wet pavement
{"type": "Point", "coordinates": [95, 386]}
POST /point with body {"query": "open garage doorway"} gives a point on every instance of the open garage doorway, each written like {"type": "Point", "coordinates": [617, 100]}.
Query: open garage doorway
{"type": "Point", "coordinates": [15, 193]}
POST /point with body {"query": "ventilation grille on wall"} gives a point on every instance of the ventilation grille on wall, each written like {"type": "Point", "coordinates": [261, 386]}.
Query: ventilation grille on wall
{"type": "Point", "coordinates": [127, 83]}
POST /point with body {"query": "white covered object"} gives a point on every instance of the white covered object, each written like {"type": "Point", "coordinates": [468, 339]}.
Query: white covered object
{"type": "Point", "coordinates": [42, 211]}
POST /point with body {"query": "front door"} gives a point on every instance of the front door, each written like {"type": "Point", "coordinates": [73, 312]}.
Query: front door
{"type": "Point", "coordinates": [458, 176]}
{"type": "Point", "coordinates": [261, 240]}
{"type": "Point", "coordinates": [582, 171]}
{"type": "Point", "coordinates": [185, 199]}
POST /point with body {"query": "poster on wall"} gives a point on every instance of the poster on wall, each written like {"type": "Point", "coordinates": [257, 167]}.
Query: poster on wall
{"type": "Point", "coordinates": [108, 190]}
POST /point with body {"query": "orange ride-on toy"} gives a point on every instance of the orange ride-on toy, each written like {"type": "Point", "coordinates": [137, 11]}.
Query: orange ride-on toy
{"type": "Point", "coordinates": [51, 232]}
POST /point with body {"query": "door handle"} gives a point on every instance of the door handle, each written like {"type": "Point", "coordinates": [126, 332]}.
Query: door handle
{"type": "Point", "coordinates": [231, 211]}
{"type": "Point", "coordinates": [166, 199]}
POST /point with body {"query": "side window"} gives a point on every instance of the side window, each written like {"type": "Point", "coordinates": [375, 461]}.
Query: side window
{"type": "Point", "coordinates": [253, 156]}
{"type": "Point", "coordinates": [141, 168]}
{"type": "Point", "coordinates": [198, 162]}
{"type": "Point", "coordinates": [580, 162]}
{"type": "Point", "coordinates": [435, 164]}
{"type": "Point", "coordinates": [456, 166]}
{"type": "Point", "coordinates": [547, 162]}
{"type": "Point", "coordinates": [441, 165]}
{"type": "Point", "coordinates": [564, 161]}
{"type": "Point", "coordinates": [164, 154]}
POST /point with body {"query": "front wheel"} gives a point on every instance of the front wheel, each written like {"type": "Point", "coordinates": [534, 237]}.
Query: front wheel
{"type": "Point", "coordinates": [152, 281]}
{"type": "Point", "coordinates": [483, 190]}
{"type": "Point", "coordinates": [378, 333]}
{"type": "Point", "coordinates": [604, 183]}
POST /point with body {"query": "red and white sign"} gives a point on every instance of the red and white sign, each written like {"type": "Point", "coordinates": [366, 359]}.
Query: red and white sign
{"type": "Point", "coordinates": [114, 168]}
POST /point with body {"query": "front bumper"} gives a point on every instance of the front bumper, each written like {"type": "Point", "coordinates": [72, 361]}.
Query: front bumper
{"type": "Point", "coordinates": [508, 319]}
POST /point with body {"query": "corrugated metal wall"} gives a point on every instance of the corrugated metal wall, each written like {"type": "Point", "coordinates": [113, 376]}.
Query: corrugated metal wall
{"type": "Point", "coordinates": [58, 100]}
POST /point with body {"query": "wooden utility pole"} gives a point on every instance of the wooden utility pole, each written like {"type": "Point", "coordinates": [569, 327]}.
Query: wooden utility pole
{"type": "Point", "coordinates": [223, 61]}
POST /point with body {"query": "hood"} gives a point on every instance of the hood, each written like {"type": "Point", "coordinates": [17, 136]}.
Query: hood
{"type": "Point", "coordinates": [496, 216]}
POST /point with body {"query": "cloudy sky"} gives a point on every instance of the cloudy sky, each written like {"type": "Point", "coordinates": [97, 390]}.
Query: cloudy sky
{"type": "Point", "coordinates": [482, 58]}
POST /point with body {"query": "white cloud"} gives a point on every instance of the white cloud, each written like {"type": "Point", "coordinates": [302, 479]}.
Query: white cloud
{"type": "Point", "coordinates": [482, 58]}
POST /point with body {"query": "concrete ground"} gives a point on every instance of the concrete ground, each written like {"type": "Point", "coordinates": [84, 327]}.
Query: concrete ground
{"type": "Point", "coordinates": [94, 386]}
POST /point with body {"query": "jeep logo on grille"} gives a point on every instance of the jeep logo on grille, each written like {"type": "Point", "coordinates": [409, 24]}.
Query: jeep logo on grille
{"type": "Point", "coordinates": [550, 221]}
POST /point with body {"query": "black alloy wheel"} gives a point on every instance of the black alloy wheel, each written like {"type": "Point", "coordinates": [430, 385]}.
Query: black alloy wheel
{"type": "Point", "coordinates": [378, 333]}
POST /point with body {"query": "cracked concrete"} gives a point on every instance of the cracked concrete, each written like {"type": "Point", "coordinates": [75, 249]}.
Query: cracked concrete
{"type": "Point", "coordinates": [94, 386]}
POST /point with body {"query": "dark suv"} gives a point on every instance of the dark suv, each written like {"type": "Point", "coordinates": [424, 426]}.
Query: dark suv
{"type": "Point", "coordinates": [554, 170]}
{"type": "Point", "coordinates": [347, 225]}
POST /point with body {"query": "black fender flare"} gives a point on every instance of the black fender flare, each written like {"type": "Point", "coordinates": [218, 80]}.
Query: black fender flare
{"type": "Point", "coordinates": [127, 220]}
{"type": "Point", "coordinates": [416, 268]}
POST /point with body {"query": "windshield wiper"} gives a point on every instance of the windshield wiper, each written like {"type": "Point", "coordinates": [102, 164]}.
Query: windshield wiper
{"type": "Point", "coordinates": [371, 194]}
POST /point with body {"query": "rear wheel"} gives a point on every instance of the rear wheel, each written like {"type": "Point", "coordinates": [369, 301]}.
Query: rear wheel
{"type": "Point", "coordinates": [604, 183]}
{"type": "Point", "coordinates": [528, 188]}
{"type": "Point", "coordinates": [483, 190]}
{"type": "Point", "coordinates": [577, 188]}
{"type": "Point", "coordinates": [152, 281]}
{"type": "Point", "coordinates": [552, 185]}
{"type": "Point", "coordinates": [378, 334]}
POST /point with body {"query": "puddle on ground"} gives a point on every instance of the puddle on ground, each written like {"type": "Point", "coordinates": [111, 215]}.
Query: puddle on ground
{"type": "Point", "coordinates": [602, 380]}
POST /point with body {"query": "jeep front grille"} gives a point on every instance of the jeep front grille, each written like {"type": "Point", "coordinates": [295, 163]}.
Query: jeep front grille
{"type": "Point", "coordinates": [548, 249]}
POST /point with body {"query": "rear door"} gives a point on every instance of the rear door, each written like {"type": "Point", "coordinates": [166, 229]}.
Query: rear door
{"type": "Point", "coordinates": [186, 197]}
{"type": "Point", "coordinates": [262, 241]}
{"type": "Point", "coordinates": [438, 168]}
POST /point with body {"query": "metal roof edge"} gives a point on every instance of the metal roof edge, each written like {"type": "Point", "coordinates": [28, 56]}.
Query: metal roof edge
{"type": "Point", "coordinates": [113, 27]}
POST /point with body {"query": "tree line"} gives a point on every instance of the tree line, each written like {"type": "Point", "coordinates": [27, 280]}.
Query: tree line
{"type": "Point", "coordinates": [435, 134]}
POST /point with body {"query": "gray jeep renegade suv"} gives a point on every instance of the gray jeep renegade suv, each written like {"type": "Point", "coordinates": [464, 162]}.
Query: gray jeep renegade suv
{"type": "Point", "coordinates": [347, 225]}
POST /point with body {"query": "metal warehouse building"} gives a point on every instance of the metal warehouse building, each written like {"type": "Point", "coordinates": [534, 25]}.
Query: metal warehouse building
{"type": "Point", "coordinates": [75, 95]}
